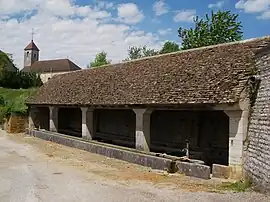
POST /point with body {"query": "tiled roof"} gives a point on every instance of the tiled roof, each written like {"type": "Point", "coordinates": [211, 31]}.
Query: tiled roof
{"type": "Point", "coordinates": [214, 74]}
{"type": "Point", "coordinates": [60, 65]}
{"type": "Point", "coordinates": [31, 46]}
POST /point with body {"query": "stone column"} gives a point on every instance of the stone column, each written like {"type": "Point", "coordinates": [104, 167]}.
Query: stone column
{"type": "Point", "coordinates": [33, 115]}
{"type": "Point", "coordinates": [87, 123]}
{"type": "Point", "coordinates": [143, 129]}
{"type": "Point", "coordinates": [237, 135]}
{"type": "Point", "coordinates": [53, 119]}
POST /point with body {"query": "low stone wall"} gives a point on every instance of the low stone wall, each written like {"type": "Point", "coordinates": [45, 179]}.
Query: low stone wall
{"type": "Point", "coordinates": [106, 150]}
{"type": "Point", "coordinates": [17, 123]}
{"type": "Point", "coordinates": [147, 159]}
{"type": "Point", "coordinates": [194, 170]}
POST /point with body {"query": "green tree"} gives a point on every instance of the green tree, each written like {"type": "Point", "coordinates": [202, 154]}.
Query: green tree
{"type": "Point", "coordinates": [169, 47]}
{"type": "Point", "coordinates": [220, 27]}
{"type": "Point", "coordinates": [101, 59]}
{"type": "Point", "coordinates": [140, 52]}
{"type": "Point", "coordinates": [4, 60]}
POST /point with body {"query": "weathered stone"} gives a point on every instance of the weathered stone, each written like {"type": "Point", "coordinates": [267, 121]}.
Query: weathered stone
{"type": "Point", "coordinates": [53, 119]}
{"type": "Point", "coordinates": [221, 171]}
{"type": "Point", "coordinates": [142, 129]}
{"type": "Point", "coordinates": [126, 154]}
{"type": "Point", "coordinates": [194, 170]}
{"type": "Point", "coordinates": [257, 154]}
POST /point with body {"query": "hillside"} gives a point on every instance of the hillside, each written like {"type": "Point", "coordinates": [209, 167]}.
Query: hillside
{"type": "Point", "coordinates": [13, 100]}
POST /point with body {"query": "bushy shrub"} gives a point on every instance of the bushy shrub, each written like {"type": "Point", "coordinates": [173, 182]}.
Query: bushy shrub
{"type": "Point", "coordinates": [2, 101]}
{"type": "Point", "coordinates": [3, 113]}
{"type": "Point", "coordinates": [18, 79]}
{"type": "Point", "coordinates": [13, 101]}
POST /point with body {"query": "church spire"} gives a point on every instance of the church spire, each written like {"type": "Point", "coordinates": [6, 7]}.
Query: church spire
{"type": "Point", "coordinates": [31, 52]}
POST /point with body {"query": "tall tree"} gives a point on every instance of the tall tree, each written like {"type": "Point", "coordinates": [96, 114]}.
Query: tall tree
{"type": "Point", "coordinates": [4, 60]}
{"type": "Point", "coordinates": [220, 27]}
{"type": "Point", "coordinates": [101, 59]}
{"type": "Point", "coordinates": [169, 47]}
{"type": "Point", "coordinates": [140, 52]}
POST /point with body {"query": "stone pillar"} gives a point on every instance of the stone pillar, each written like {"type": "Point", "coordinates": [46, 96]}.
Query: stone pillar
{"type": "Point", "coordinates": [87, 123]}
{"type": "Point", "coordinates": [33, 117]}
{"type": "Point", "coordinates": [53, 119]}
{"type": "Point", "coordinates": [237, 135]}
{"type": "Point", "coordinates": [143, 129]}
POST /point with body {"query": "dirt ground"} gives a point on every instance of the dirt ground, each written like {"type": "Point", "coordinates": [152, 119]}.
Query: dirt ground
{"type": "Point", "coordinates": [52, 164]}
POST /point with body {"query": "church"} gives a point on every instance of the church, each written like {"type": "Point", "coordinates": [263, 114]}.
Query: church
{"type": "Point", "coordinates": [46, 68]}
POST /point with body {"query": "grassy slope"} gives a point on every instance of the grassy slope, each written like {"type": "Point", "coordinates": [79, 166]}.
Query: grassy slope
{"type": "Point", "coordinates": [15, 98]}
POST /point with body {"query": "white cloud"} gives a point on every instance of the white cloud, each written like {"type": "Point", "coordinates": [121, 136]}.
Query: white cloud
{"type": "Point", "coordinates": [105, 4]}
{"type": "Point", "coordinates": [185, 15]}
{"type": "Point", "coordinates": [255, 6]}
{"type": "Point", "coordinates": [265, 15]}
{"type": "Point", "coordinates": [129, 13]}
{"type": "Point", "coordinates": [164, 32]}
{"type": "Point", "coordinates": [160, 8]}
{"type": "Point", "coordinates": [77, 32]}
{"type": "Point", "coordinates": [219, 4]}
{"type": "Point", "coordinates": [15, 6]}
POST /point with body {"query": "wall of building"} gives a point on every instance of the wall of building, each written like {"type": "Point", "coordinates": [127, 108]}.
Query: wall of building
{"type": "Point", "coordinates": [206, 131]}
{"type": "Point", "coordinates": [116, 126]}
{"type": "Point", "coordinates": [46, 76]}
{"type": "Point", "coordinates": [257, 160]}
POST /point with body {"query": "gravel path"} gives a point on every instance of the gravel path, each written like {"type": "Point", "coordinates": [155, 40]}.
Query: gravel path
{"type": "Point", "coordinates": [33, 170]}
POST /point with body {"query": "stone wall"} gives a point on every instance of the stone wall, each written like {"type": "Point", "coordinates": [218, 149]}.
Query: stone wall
{"type": "Point", "coordinates": [47, 76]}
{"type": "Point", "coordinates": [257, 160]}
{"type": "Point", "coordinates": [17, 123]}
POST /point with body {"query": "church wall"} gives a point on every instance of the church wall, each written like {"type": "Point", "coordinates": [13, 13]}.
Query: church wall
{"type": "Point", "coordinates": [46, 76]}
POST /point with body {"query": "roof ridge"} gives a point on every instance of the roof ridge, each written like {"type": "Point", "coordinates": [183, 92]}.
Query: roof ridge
{"type": "Point", "coordinates": [195, 49]}
{"type": "Point", "coordinates": [52, 60]}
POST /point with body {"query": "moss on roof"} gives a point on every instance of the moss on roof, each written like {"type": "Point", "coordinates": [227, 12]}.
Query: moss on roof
{"type": "Point", "coordinates": [214, 74]}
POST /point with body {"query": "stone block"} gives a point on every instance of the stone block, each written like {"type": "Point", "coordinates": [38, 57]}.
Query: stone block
{"type": "Point", "coordinates": [125, 154]}
{"type": "Point", "coordinates": [236, 172]}
{"type": "Point", "coordinates": [16, 123]}
{"type": "Point", "coordinates": [221, 171]}
{"type": "Point", "coordinates": [194, 170]}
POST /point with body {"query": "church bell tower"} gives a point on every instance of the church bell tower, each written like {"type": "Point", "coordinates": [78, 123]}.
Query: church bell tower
{"type": "Point", "coordinates": [31, 54]}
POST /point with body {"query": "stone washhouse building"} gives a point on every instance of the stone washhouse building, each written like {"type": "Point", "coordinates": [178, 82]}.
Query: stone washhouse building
{"type": "Point", "coordinates": [201, 96]}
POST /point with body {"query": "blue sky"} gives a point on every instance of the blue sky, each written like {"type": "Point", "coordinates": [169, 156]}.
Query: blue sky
{"type": "Point", "coordinates": [79, 29]}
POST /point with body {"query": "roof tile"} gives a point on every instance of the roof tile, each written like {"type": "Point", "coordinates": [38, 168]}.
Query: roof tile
{"type": "Point", "coordinates": [214, 74]}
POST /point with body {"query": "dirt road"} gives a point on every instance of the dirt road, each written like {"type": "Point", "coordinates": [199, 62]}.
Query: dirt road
{"type": "Point", "coordinates": [33, 170]}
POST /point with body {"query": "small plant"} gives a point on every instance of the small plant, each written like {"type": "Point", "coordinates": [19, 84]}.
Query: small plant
{"type": "Point", "coordinates": [238, 186]}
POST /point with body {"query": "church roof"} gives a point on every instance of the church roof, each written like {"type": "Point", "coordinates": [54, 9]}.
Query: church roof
{"type": "Point", "coordinates": [208, 75]}
{"type": "Point", "coordinates": [31, 46]}
{"type": "Point", "coordinates": [59, 65]}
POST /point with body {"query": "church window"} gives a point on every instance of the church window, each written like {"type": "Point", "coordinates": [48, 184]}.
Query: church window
{"type": "Point", "coordinates": [27, 53]}
{"type": "Point", "coordinates": [35, 55]}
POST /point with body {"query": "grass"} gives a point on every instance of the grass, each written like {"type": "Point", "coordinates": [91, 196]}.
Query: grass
{"type": "Point", "coordinates": [14, 101]}
{"type": "Point", "coordinates": [238, 186]}
{"type": "Point", "coordinates": [12, 94]}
